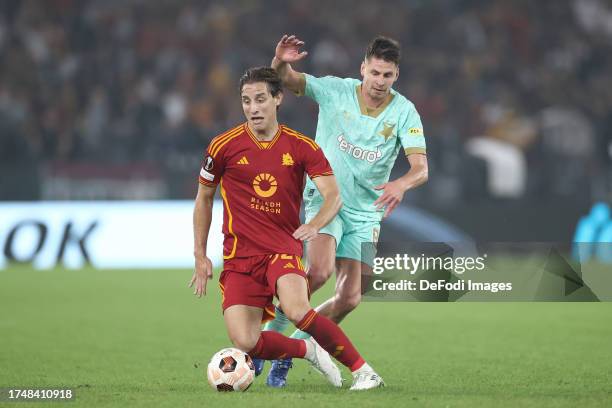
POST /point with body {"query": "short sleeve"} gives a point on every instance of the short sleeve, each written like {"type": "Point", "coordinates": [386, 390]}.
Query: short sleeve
{"type": "Point", "coordinates": [315, 162]}
{"type": "Point", "coordinates": [213, 166]}
{"type": "Point", "coordinates": [411, 134]}
{"type": "Point", "coordinates": [323, 89]}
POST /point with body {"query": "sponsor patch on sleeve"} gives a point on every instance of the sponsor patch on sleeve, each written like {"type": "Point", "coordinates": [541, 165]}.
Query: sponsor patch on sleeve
{"type": "Point", "coordinates": [415, 131]}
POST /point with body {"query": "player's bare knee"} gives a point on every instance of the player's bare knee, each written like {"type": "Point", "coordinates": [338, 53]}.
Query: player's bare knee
{"type": "Point", "coordinates": [295, 313]}
{"type": "Point", "coordinates": [348, 302]}
{"type": "Point", "coordinates": [316, 281]}
{"type": "Point", "coordinates": [318, 273]}
{"type": "Point", "coordinates": [243, 342]}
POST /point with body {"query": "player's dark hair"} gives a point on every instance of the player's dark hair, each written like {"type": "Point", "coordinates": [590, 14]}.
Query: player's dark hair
{"type": "Point", "coordinates": [262, 74]}
{"type": "Point", "coordinates": [384, 48]}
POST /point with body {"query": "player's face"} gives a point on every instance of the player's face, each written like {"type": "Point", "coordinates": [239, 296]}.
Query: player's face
{"type": "Point", "coordinates": [259, 106]}
{"type": "Point", "coordinates": [378, 77]}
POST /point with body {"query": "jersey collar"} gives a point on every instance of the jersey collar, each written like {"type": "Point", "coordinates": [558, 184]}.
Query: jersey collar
{"type": "Point", "coordinates": [264, 145]}
{"type": "Point", "coordinates": [372, 112]}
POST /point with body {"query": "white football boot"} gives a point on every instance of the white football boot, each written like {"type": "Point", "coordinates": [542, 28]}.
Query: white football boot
{"type": "Point", "coordinates": [366, 379]}
{"type": "Point", "coordinates": [322, 362]}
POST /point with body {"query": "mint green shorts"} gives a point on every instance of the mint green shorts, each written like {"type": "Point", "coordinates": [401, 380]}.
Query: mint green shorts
{"type": "Point", "coordinates": [351, 233]}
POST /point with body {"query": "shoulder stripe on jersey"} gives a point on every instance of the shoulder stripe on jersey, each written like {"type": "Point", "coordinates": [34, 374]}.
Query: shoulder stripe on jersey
{"type": "Point", "coordinates": [216, 143]}
{"type": "Point", "coordinates": [299, 134]}
{"type": "Point", "coordinates": [306, 139]}
{"type": "Point", "coordinates": [221, 137]}
{"type": "Point", "coordinates": [223, 143]}
{"type": "Point", "coordinates": [303, 138]}
{"type": "Point", "coordinates": [227, 132]}
{"type": "Point", "coordinates": [230, 223]}
{"type": "Point", "coordinates": [213, 146]}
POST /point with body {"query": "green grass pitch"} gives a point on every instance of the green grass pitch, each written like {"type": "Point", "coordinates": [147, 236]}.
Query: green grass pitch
{"type": "Point", "coordinates": [134, 338]}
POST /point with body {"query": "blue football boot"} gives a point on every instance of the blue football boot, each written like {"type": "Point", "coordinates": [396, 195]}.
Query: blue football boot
{"type": "Point", "coordinates": [277, 377]}
{"type": "Point", "coordinates": [259, 365]}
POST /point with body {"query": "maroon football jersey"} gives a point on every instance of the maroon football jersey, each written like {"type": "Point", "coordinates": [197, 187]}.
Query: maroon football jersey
{"type": "Point", "coordinates": [261, 186]}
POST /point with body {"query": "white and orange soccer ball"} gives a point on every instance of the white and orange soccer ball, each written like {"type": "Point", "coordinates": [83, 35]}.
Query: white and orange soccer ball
{"type": "Point", "coordinates": [231, 370]}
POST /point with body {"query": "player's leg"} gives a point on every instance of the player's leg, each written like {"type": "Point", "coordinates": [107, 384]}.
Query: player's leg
{"type": "Point", "coordinates": [321, 251]}
{"type": "Point", "coordinates": [277, 377]}
{"type": "Point", "coordinates": [354, 260]}
{"type": "Point", "coordinates": [349, 278]}
{"type": "Point", "coordinates": [347, 295]}
{"type": "Point", "coordinates": [243, 325]}
{"type": "Point", "coordinates": [278, 324]}
{"type": "Point", "coordinates": [292, 292]}
{"type": "Point", "coordinates": [321, 254]}
{"type": "Point", "coordinates": [245, 300]}
{"type": "Point", "coordinates": [350, 269]}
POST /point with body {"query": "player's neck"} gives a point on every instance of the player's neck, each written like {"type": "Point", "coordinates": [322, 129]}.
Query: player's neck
{"type": "Point", "coordinates": [265, 135]}
{"type": "Point", "coordinates": [370, 102]}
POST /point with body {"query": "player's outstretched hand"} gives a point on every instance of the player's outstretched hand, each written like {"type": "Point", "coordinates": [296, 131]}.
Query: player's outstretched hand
{"type": "Point", "coordinates": [201, 275]}
{"type": "Point", "coordinates": [288, 49]}
{"type": "Point", "coordinates": [393, 193]}
{"type": "Point", "coordinates": [305, 232]}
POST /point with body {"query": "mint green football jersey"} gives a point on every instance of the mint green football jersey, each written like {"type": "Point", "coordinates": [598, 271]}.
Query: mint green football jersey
{"type": "Point", "coordinates": [361, 145]}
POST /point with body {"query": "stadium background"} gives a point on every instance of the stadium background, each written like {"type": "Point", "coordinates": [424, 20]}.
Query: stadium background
{"type": "Point", "coordinates": [116, 100]}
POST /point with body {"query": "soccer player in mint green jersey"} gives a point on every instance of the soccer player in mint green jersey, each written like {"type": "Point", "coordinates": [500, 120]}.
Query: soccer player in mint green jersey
{"type": "Point", "coordinates": [362, 127]}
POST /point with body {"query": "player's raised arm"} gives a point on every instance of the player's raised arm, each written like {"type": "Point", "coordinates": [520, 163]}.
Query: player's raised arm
{"type": "Point", "coordinates": [328, 188]}
{"type": "Point", "coordinates": [202, 217]}
{"type": "Point", "coordinates": [288, 52]}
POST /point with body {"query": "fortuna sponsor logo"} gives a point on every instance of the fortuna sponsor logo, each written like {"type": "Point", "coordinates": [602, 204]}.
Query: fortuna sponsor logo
{"type": "Point", "coordinates": [357, 152]}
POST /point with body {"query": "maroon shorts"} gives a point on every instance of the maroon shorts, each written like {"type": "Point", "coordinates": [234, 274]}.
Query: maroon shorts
{"type": "Point", "coordinates": [252, 280]}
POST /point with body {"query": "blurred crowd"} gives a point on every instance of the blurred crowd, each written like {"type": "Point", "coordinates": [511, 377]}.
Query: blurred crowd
{"type": "Point", "coordinates": [515, 96]}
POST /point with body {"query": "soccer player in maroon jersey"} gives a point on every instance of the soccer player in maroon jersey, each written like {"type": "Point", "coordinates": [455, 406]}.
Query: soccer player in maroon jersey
{"type": "Point", "coordinates": [260, 167]}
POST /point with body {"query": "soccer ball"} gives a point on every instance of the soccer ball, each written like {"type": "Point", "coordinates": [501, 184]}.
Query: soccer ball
{"type": "Point", "coordinates": [231, 370]}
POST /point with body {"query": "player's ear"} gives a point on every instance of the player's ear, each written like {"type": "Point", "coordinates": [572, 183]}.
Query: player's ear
{"type": "Point", "coordinates": [278, 98]}
{"type": "Point", "coordinates": [362, 69]}
{"type": "Point", "coordinates": [396, 74]}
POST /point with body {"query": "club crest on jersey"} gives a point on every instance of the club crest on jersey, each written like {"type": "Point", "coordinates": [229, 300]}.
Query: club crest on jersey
{"type": "Point", "coordinates": [371, 156]}
{"type": "Point", "coordinates": [387, 131]}
{"type": "Point", "coordinates": [287, 160]}
{"type": "Point", "coordinates": [265, 185]}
